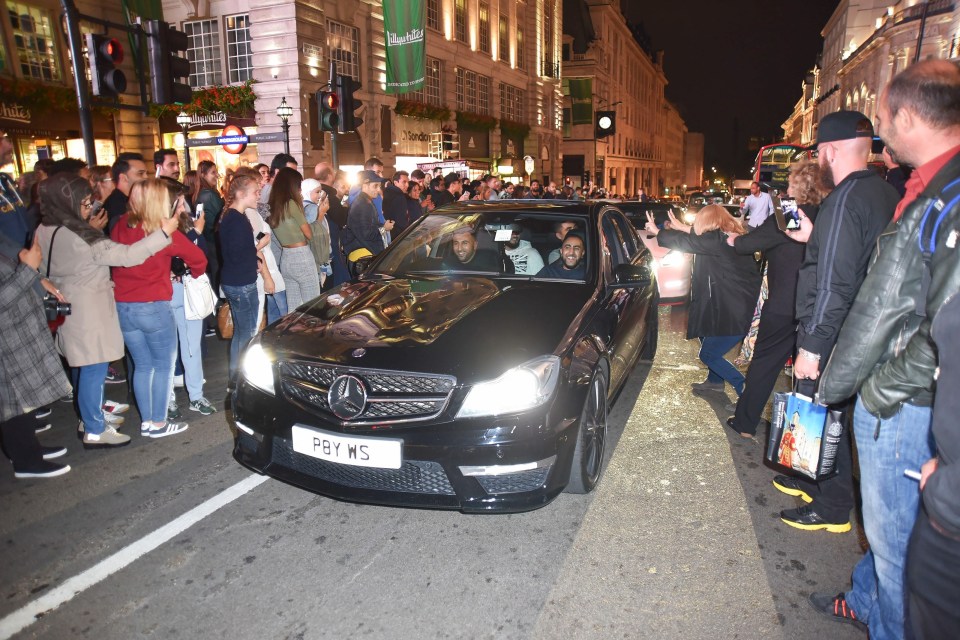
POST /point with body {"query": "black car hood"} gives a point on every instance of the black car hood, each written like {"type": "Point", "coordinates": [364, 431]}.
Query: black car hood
{"type": "Point", "coordinates": [474, 328]}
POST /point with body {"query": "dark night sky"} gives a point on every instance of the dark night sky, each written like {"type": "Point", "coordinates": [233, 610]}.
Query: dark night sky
{"type": "Point", "coordinates": [734, 59]}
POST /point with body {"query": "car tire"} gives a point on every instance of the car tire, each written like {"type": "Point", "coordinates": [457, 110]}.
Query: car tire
{"type": "Point", "coordinates": [590, 450]}
{"type": "Point", "coordinates": [653, 332]}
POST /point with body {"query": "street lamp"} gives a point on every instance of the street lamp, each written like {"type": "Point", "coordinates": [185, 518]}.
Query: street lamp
{"type": "Point", "coordinates": [284, 111]}
{"type": "Point", "coordinates": [184, 121]}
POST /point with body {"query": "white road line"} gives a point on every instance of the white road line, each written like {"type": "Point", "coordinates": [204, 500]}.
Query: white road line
{"type": "Point", "coordinates": [28, 614]}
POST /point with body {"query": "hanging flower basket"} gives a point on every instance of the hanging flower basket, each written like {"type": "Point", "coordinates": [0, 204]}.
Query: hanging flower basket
{"type": "Point", "coordinates": [233, 100]}
{"type": "Point", "coordinates": [514, 129]}
{"type": "Point", "coordinates": [476, 120]}
{"type": "Point", "coordinates": [420, 110]}
{"type": "Point", "coordinates": [40, 98]}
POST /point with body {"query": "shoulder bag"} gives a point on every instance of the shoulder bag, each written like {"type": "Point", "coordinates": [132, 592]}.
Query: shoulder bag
{"type": "Point", "coordinates": [198, 299]}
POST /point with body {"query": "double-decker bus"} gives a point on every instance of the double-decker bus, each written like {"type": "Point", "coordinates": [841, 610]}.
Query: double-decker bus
{"type": "Point", "coordinates": [772, 166]}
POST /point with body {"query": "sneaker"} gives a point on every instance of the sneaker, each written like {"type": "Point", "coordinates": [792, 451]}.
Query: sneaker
{"type": "Point", "coordinates": [112, 419]}
{"type": "Point", "coordinates": [707, 386]}
{"type": "Point", "coordinates": [109, 438]}
{"type": "Point", "coordinates": [114, 376]}
{"type": "Point", "coordinates": [42, 470]}
{"type": "Point", "coordinates": [835, 608]}
{"type": "Point", "coordinates": [115, 408]}
{"type": "Point", "coordinates": [165, 429]}
{"type": "Point", "coordinates": [809, 520]}
{"type": "Point", "coordinates": [68, 397]}
{"type": "Point", "coordinates": [43, 413]}
{"type": "Point", "coordinates": [203, 407]}
{"type": "Point", "coordinates": [178, 382]}
{"type": "Point", "coordinates": [790, 486]}
{"type": "Point", "coordinates": [173, 411]}
{"type": "Point", "coordinates": [45, 427]}
{"type": "Point", "coordinates": [49, 453]}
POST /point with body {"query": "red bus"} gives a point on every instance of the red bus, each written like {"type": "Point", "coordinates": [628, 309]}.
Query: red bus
{"type": "Point", "coordinates": [772, 166]}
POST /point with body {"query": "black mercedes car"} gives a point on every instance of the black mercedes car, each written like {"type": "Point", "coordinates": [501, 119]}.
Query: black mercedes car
{"type": "Point", "coordinates": [466, 368]}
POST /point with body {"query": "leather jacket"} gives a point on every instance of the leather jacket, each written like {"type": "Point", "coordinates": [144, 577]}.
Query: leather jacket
{"type": "Point", "coordinates": [884, 350]}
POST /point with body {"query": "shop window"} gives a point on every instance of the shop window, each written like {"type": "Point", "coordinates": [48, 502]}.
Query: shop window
{"type": "Point", "coordinates": [433, 14]}
{"type": "Point", "coordinates": [511, 103]}
{"type": "Point", "coordinates": [203, 51]}
{"type": "Point", "coordinates": [460, 20]}
{"type": "Point", "coordinates": [484, 35]}
{"type": "Point", "coordinates": [239, 64]}
{"type": "Point", "coordinates": [35, 42]}
{"type": "Point", "coordinates": [430, 94]}
{"type": "Point", "coordinates": [344, 44]}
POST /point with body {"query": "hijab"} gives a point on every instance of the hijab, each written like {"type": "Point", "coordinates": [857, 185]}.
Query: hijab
{"type": "Point", "coordinates": [60, 198]}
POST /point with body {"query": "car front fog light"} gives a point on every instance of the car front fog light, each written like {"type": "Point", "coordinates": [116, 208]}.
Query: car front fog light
{"type": "Point", "coordinates": [257, 368]}
{"type": "Point", "coordinates": [524, 387]}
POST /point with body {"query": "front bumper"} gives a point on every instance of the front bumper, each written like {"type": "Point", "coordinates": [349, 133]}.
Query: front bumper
{"type": "Point", "coordinates": [504, 464]}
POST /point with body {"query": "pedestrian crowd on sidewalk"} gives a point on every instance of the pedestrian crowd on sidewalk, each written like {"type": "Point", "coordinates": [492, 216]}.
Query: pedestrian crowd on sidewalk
{"type": "Point", "coordinates": [862, 298]}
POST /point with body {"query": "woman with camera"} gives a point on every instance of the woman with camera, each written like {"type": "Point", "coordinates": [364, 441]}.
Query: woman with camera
{"type": "Point", "coordinates": [144, 294]}
{"type": "Point", "coordinates": [79, 258]}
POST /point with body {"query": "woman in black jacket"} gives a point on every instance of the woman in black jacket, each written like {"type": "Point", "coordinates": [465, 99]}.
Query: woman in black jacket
{"type": "Point", "coordinates": [724, 291]}
{"type": "Point", "coordinates": [777, 333]}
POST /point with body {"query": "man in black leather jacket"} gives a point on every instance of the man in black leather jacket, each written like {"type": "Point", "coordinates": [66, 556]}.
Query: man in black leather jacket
{"type": "Point", "coordinates": [884, 351]}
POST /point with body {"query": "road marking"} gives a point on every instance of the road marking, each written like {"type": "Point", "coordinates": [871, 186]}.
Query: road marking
{"type": "Point", "coordinates": [29, 613]}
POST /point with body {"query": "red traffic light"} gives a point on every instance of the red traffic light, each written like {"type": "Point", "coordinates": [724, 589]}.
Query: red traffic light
{"type": "Point", "coordinates": [113, 50]}
{"type": "Point", "coordinates": [331, 101]}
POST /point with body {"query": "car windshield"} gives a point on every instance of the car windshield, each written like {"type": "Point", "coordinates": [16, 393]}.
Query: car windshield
{"type": "Point", "coordinates": [637, 212]}
{"type": "Point", "coordinates": [491, 243]}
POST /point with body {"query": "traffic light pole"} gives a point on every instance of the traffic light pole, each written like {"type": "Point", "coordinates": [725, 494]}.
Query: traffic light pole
{"type": "Point", "coordinates": [333, 134]}
{"type": "Point", "coordinates": [80, 79]}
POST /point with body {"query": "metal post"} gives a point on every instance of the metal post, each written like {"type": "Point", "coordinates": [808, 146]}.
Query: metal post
{"type": "Point", "coordinates": [923, 24]}
{"type": "Point", "coordinates": [80, 79]}
{"type": "Point", "coordinates": [186, 150]}
{"type": "Point", "coordinates": [286, 136]}
{"type": "Point", "coordinates": [333, 134]}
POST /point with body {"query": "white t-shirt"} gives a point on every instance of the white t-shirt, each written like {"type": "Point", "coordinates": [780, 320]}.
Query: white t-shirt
{"type": "Point", "coordinates": [526, 260]}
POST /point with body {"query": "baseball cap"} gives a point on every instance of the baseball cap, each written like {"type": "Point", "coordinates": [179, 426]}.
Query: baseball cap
{"type": "Point", "coordinates": [369, 176]}
{"type": "Point", "coordinates": [843, 125]}
{"type": "Point", "coordinates": [451, 177]}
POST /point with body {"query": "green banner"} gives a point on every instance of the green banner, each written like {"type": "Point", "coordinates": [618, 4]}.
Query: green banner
{"type": "Point", "coordinates": [404, 24]}
{"type": "Point", "coordinates": [581, 100]}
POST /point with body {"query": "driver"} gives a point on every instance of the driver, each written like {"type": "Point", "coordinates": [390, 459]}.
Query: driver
{"type": "Point", "coordinates": [464, 255]}
{"type": "Point", "coordinates": [570, 265]}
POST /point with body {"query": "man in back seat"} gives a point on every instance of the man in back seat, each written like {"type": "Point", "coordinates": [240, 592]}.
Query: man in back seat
{"type": "Point", "coordinates": [526, 260]}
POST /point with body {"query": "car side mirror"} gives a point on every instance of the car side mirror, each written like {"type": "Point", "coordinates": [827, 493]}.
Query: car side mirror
{"type": "Point", "coordinates": [362, 264]}
{"type": "Point", "coordinates": [632, 276]}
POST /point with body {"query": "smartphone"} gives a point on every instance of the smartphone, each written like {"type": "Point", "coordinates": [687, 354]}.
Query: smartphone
{"type": "Point", "coordinates": [791, 216]}
{"type": "Point", "coordinates": [199, 212]}
{"type": "Point", "coordinates": [261, 236]}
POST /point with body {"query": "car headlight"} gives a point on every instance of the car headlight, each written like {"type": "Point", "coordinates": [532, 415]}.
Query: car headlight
{"type": "Point", "coordinates": [257, 368]}
{"type": "Point", "coordinates": [689, 217]}
{"type": "Point", "coordinates": [672, 258]}
{"type": "Point", "coordinates": [524, 387]}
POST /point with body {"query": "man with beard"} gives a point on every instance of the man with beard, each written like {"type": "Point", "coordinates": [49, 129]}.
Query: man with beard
{"type": "Point", "coordinates": [526, 260]}
{"type": "Point", "coordinates": [570, 264]}
{"type": "Point", "coordinates": [464, 255]}
{"type": "Point", "coordinates": [850, 220]}
{"type": "Point", "coordinates": [337, 216]}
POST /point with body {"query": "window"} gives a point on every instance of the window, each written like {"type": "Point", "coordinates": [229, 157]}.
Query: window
{"type": "Point", "coordinates": [504, 46]}
{"type": "Point", "coordinates": [484, 35]}
{"type": "Point", "coordinates": [473, 92]}
{"type": "Point", "coordinates": [430, 94]}
{"type": "Point", "coordinates": [521, 59]}
{"type": "Point", "coordinates": [460, 20]}
{"type": "Point", "coordinates": [433, 14]}
{"type": "Point", "coordinates": [344, 44]}
{"type": "Point", "coordinates": [35, 42]}
{"type": "Point", "coordinates": [511, 103]}
{"type": "Point", "coordinates": [239, 66]}
{"type": "Point", "coordinates": [203, 51]}
{"type": "Point", "coordinates": [483, 95]}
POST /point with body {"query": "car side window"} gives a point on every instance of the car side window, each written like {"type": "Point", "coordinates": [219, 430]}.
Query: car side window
{"type": "Point", "coordinates": [627, 234]}
{"type": "Point", "coordinates": [613, 240]}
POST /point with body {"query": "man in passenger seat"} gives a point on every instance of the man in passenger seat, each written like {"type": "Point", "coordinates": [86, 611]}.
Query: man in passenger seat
{"type": "Point", "coordinates": [570, 265]}
{"type": "Point", "coordinates": [526, 260]}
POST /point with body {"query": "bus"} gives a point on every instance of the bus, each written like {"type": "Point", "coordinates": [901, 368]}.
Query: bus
{"type": "Point", "coordinates": [772, 166]}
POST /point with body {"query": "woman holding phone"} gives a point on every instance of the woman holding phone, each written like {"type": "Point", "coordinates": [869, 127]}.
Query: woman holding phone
{"type": "Point", "coordinates": [144, 295]}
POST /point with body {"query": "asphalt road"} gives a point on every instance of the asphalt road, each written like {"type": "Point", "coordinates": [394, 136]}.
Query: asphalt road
{"type": "Point", "coordinates": [172, 539]}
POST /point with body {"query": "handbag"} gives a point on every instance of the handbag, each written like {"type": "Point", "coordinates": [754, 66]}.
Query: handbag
{"type": "Point", "coordinates": [225, 321]}
{"type": "Point", "coordinates": [804, 435]}
{"type": "Point", "coordinates": [198, 299]}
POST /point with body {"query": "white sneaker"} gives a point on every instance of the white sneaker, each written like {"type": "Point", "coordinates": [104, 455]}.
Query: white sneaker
{"type": "Point", "coordinates": [109, 438]}
{"type": "Point", "coordinates": [164, 430]}
{"type": "Point", "coordinates": [114, 408]}
{"type": "Point", "coordinates": [178, 382]}
{"type": "Point", "coordinates": [112, 419]}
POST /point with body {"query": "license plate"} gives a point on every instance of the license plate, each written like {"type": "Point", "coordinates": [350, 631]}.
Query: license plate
{"type": "Point", "coordinates": [382, 453]}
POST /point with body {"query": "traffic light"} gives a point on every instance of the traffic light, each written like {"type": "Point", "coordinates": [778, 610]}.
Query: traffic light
{"type": "Point", "coordinates": [606, 124]}
{"type": "Point", "coordinates": [167, 66]}
{"type": "Point", "coordinates": [349, 103]}
{"type": "Point", "coordinates": [105, 53]}
{"type": "Point", "coordinates": [329, 103]}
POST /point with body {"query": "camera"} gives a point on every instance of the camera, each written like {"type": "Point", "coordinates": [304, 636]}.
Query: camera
{"type": "Point", "coordinates": [53, 308]}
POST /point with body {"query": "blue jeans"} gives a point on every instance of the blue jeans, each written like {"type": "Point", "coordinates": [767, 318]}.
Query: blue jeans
{"type": "Point", "coordinates": [890, 506]}
{"type": "Point", "coordinates": [244, 307]}
{"type": "Point", "coordinates": [150, 333]}
{"type": "Point", "coordinates": [712, 351]}
{"type": "Point", "coordinates": [88, 381]}
{"type": "Point", "coordinates": [190, 338]}
{"type": "Point", "coordinates": [276, 306]}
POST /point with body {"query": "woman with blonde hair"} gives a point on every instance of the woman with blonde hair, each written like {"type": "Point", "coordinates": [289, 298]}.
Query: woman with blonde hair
{"type": "Point", "coordinates": [144, 294]}
{"type": "Point", "coordinates": [724, 291]}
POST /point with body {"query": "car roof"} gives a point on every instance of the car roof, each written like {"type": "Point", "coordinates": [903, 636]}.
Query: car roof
{"type": "Point", "coordinates": [580, 208]}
